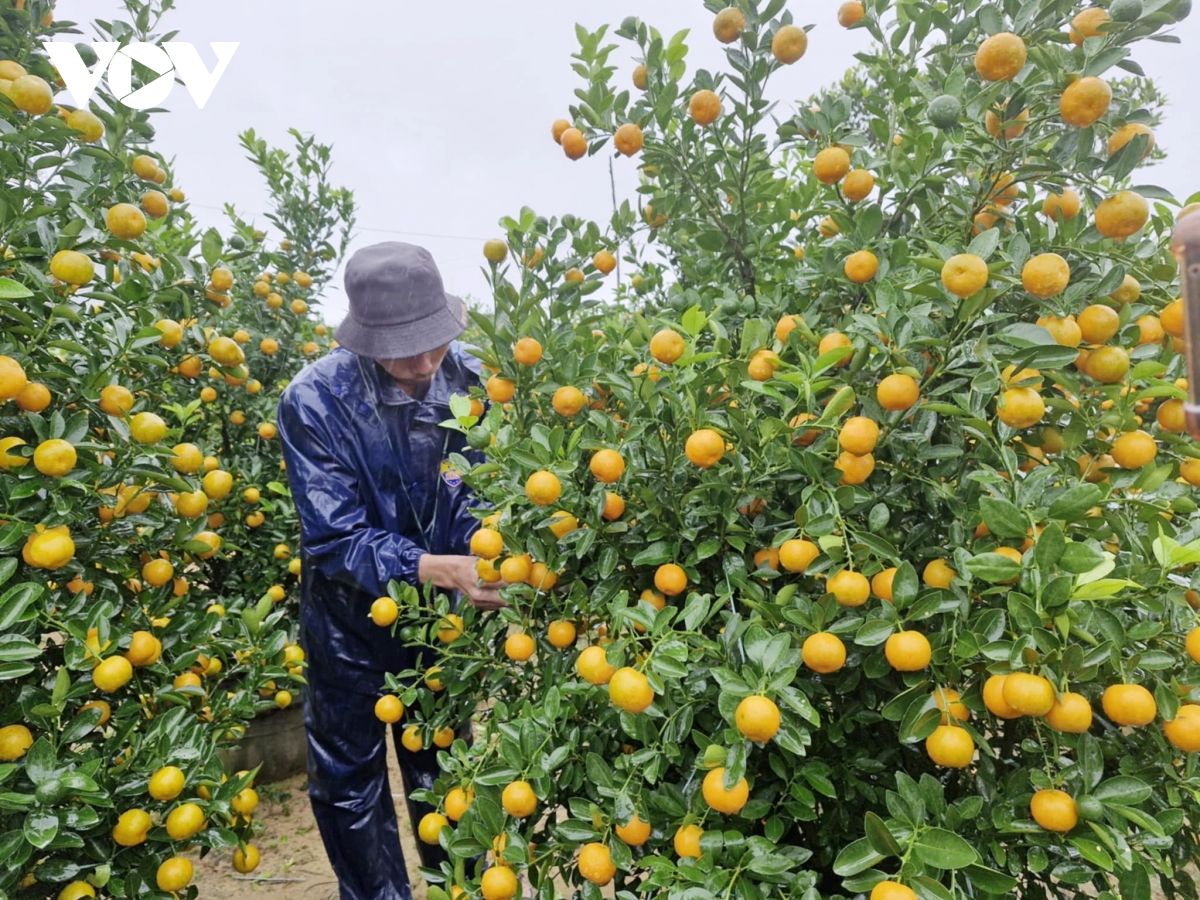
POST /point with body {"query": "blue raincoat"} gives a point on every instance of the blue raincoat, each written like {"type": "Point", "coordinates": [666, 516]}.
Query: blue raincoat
{"type": "Point", "coordinates": [370, 473]}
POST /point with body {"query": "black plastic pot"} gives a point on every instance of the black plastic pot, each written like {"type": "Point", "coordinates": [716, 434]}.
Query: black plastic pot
{"type": "Point", "coordinates": [276, 740]}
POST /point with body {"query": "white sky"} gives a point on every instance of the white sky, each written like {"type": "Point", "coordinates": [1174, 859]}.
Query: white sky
{"type": "Point", "coordinates": [440, 115]}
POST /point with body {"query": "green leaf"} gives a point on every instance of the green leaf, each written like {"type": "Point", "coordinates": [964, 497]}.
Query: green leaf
{"type": "Point", "coordinates": [693, 321]}
{"type": "Point", "coordinates": [919, 721]}
{"type": "Point", "coordinates": [16, 601]}
{"type": "Point", "coordinates": [869, 222]}
{"type": "Point", "coordinates": [1026, 335]}
{"type": "Point", "coordinates": [990, 19]}
{"type": "Point", "coordinates": [1102, 588]}
{"type": "Point", "coordinates": [14, 647]}
{"type": "Point", "coordinates": [773, 864]}
{"type": "Point", "coordinates": [62, 311]}
{"type": "Point", "coordinates": [879, 546]}
{"type": "Point", "coordinates": [598, 771]}
{"type": "Point", "coordinates": [575, 830]}
{"type": "Point", "coordinates": [1091, 760]}
{"type": "Point", "coordinates": [994, 568]}
{"type": "Point", "coordinates": [264, 606]}
{"type": "Point", "coordinates": [1137, 817]}
{"type": "Point", "coordinates": [83, 723]}
{"type": "Point", "coordinates": [40, 829]}
{"type": "Point", "coordinates": [927, 888]}
{"type": "Point", "coordinates": [856, 857]}
{"type": "Point", "coordinates": [985, 243]}
{"type": "Point", "coordinates": [656, 554]}
{"type": "Point", "coordinates": [460, 406]}
{"type": "Point", "coordinates": [905, 585]}
{"type": "Point", "coordinates": [73, 346]}
{"type": "Point", "coordinates": [879, 516]}
{"type": "Point", "coordinates": [1074, 502]}
{"type": "Point", "coordinates": [816, 774]}
{"type": "Point", "coordinates": [798, 702]}
{"type": "Point", "coordinates": [252, 619]}
{"type": "Point", "coordinates": [1104, 61]}
{"type": "Point", "coordinates": [1079, 558]}
{"type": "Point", "coordinates": [499, 775]}
{"type": "Point", "coordinates": [943, 849]}
{"type": "Point", "coordinates": [1073, 873]}
{"type": "Point", "coordinates": [881, 839]}
{"type": "Point", "coordinates": [1151, 191]}
{"type": "Point", "coordinates": [668, 667]}
{"type": "Point", "coordinates": [11, 670]}
{"type": "Point", "coordinates": [1093, 852]}
{"type": "Point", "coordinates": [873, 632]}
{"type": "Point", "coordinates": [991, 881]}
{"type": "Point", "coordinates": [1057, 591]}
{"type": "Point", "coordinates": [830, 359]}
{"type": "Point", "coordinates": [1049, 548]}
{"type": "Point", "coordinates": [62, 684]}
{"type": "Point", "coordinates": [1156, 660]}
{"type": "Point", "coordinates": [211, 246]}
{"type": "Point", "coordinates": [40, 761]}
{"type": "Point", "coordinates": [1002, 518]}
{"type": "Point", "coordinates": [1123, 789]}
{"type": "Point", "coordinates": [13, 290]}
{"type": "Point", "coordinates": [196, 547]}
{"type": "Point", "coordinates": [1048, 357]}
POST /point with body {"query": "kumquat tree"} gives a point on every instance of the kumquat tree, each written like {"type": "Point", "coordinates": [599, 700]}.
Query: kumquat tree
{"type": "Point", "coordinates": [146, 533]}
{"type": "Point", "coordinates": [854, 550]}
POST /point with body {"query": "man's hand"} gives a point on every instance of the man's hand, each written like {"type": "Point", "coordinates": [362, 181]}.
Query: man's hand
{"type": "Point", "coordinates": [458, 573]}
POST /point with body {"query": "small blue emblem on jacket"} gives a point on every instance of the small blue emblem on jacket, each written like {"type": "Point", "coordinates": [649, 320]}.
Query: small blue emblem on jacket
{"type": "Point", "coordinates": [450, 474]}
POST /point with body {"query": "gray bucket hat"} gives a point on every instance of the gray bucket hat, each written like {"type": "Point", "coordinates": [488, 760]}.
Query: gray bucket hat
{"type": "Point", "coordinates": [398, 307]}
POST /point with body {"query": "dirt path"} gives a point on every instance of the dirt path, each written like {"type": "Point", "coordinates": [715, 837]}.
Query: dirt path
{"type": "Point", "coordinates": [293, 863]}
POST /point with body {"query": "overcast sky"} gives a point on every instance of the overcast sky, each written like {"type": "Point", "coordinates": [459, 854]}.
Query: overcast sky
{"type": "Point", "coordinates": [440, 115]}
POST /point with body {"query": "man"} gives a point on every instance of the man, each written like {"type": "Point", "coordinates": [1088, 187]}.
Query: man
{"type": "Point", "coordinates": [377, 499]}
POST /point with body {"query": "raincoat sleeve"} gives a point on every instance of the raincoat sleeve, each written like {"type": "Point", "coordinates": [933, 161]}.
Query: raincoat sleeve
{"type": "Point", "coordinates": [336, 536]}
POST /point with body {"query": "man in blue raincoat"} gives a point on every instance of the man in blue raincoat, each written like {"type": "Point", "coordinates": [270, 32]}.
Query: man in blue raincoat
{"type": "Point", "coordinates": [378, 499]}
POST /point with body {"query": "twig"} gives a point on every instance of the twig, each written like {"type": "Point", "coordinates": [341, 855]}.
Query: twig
{"type": "Point", "coordinates": [268, 880]}
{"type": "Point", "coordinates": [612, 183]}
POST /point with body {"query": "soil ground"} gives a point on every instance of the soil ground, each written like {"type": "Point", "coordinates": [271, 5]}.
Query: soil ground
{"type": "Point", "coordinates": [293, 862]}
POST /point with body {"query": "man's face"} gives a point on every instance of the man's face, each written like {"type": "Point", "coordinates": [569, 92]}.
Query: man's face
{"type": "Point", "coordinates": [415, 373]}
